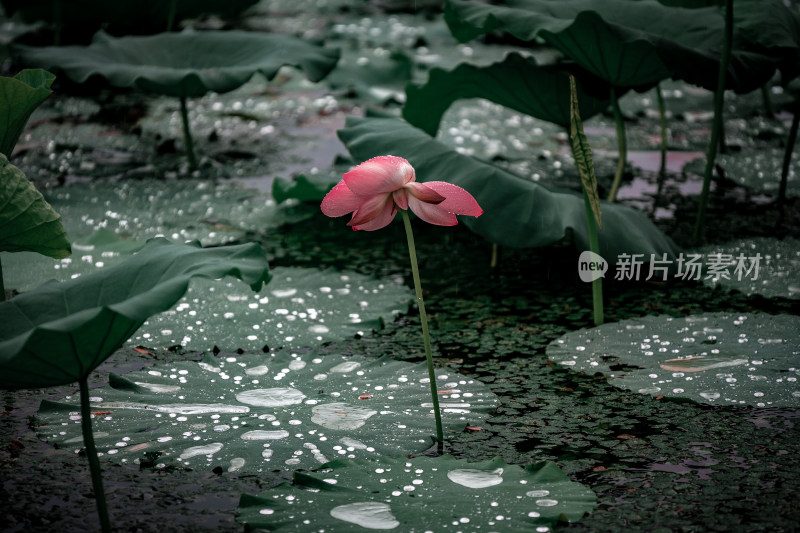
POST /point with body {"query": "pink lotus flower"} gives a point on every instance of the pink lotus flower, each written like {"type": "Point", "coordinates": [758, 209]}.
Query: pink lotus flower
{"type": "Point", "coordinates": [374, 191]}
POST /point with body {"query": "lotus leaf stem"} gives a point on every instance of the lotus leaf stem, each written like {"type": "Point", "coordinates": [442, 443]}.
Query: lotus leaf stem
{"type": "Point", "coordinates": [2, 284]}
{"type": "Point", "coordinates": [412, 252]}
{"type": "Point", "coordinates": [766, 98]}
{"type": "Point", "coordinates": [662, 113]}
{"type": "Point", "coordinates": [716, 127]}
{"type": "Point", "coordinates": [622, 145]}
{"type": "Point", "coordinates": [91, 455]}
{"type": "Point", "coordinates": [188, 143]}
{"type": "Point", "coordinates": [787, 155]}
{"type": "Point", "coordinates": [173, 8]}
{"type": "Point", "coordinates": [594, 246]}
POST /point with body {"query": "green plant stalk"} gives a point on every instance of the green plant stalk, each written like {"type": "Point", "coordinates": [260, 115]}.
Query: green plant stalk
{"type": "Point", "coordinates": [662, 113]}
{"type": "Point", "coordinates": [173, 8]}
{"type": "Point", "coordinates": [412, 252]}
{"type": "Point", "coordinates": [766, 98]}
{"type": "Point", "coordinates": [91, 455]}
{"type": "Point", "coordinates": [58, 22]}
{"type": "Point", "coordinates": [188, 143]}
{"type": "Point", "coordinates": [622, 146]}
{"type": "Point", "coordinates": [594, 246]}
{"type": "Point", "coordinates": [716, 127]}
{"type": "Point", "coordinates": [787, 155]}
{"type": "Point", "coordinates": [2, 284]}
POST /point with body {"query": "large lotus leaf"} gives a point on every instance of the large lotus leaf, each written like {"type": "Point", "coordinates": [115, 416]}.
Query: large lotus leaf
{"type": "Point", "coordinates": [372, 74]}
{"type": "Point", "coordinates": [185, 64]}
{"type": "Point", "coordinates": [303, 307]}
{"type": "Point", "coordinates": [261, 412]}
{"type": "Point", "coordinates": [517, 82]}
{"type": "Point", "coordinates": [772, 28]}
{"type": "Point", "coordinates": [626, 43]}
{"type": "Point", "coordinates": [124, 16]}
{"type": "Point", "coordinates": [58, 333]}
{"type": "Point", "coordinates": [764, 266]}
{"type": "Point", "coordinates": [715, 358]}
{"type": "Point", "coordinates": [19, 96]}
{"type": "Point", "coordinates": [311, 188]}
{"type": "Point", "coordinates": [516, 211]}
{"type": "Point", "coordinates": [420, 494]}
{"type": "Point", "coordinates": [27, 221]}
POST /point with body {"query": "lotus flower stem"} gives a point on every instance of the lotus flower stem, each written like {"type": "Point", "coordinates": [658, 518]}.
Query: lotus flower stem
{"type": "Point", "coordinates": [188, 144]}
{"type": "Point", "coordinates": [716, 127]}
{"type": "Point", "coordinates": [787, 155]}
{"type": "Point", "coordinates": [91, 455]}
{"type": "Point", "coordinates": [412, 252]}
{"type": "Point", "coordinates": [594, 246]}
{"type": "Point", "coordinates": [622, 145]}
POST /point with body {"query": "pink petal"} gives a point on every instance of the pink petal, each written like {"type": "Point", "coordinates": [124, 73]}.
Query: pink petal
{"type": "Point", "coordinates": [371, 208]}
{"type": "Point", "coordinates": [457, 200]}
{"type": "Point", "coordinates": [379, 175]}
{"type": "Point", "coordinates": [400, 198]}
{"type": "Point", "coordinates": [431, 213]}
{"type": "Point", "coordinates": [424, 193]}
{"type": "Point", "coordinates": [340, 201]}
{"type": "Point", "coordinates": [383, 219]}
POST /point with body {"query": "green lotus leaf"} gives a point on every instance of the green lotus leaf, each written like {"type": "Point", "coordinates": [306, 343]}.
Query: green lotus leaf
{"type": "Point", "coordinates": [420, 494]}
{"type": "Point", "coordinates": [123, 16]}
{"type": "Point", "coordinates": [303, 307]}
{"type": "Point", "coordinates": [261, 412]}
{"type": "Point", "coordinates": [58, 333]}
{"type": "Point", "coordinates": [627, 44]}
{"type": "Point", "coordinates": [516, 211]}
{"type": "Point", "coordinates": [772, 29]}
{"type": "Point", "coordinates": [27, 221]}
{"type": "Point", "coordinates": [19, 96]}
{"type": "Point", "coordinates": [372, 75]}
{"type": "Point", "coordinates": [186, 64]}
{"type": "Point", "coordinates": [714, 358]}
{"type": "Point", "coordinates": [765, 266]}
{"type": "Point", "coordinates": [517, 82]}
{"type": "Point", "coordinates": [312, 188]}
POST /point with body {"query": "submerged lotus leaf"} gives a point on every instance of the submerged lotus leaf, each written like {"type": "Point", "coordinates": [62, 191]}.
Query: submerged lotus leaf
{"type": "Point", "coordinates": [302, 307]}
{"type": "Point", "coordinates": [186, 64]}
{"type": "Point", "coordinates": [261, 412]}
{"type": "Point", "coordinates": [517, 211]}
{"type": "Point", "coordinates": [764, 266]}
{"type": "Point", "coordinates": [420, 494]}
{"type": "Point", "coordinates": [715, 358]}
{"type": "Point", "coordinates": [60, 332]}
{"type": "Point", "coordinates": [627, 44]}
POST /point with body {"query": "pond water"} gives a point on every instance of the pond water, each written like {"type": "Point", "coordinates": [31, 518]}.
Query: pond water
{"type": "Point", "coordinates": [113, 161]}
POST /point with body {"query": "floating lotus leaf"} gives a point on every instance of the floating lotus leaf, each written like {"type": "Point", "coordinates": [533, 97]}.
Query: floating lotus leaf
{"type": "Point", "coordinates": [261, 412]}
{"type": "Point", "coordinates": [186, 64]}
{"type": "Point", "coordinates": [715, 358]}
{"type": "Point", "coordinates": [625, 43]}
{"type": "Point", "coordinates": [420, 494]}
{"type": "Point", "coordinates": [303, 307]}
{"type": "Point", "coordinates": [19, 96]}
{"type": "Point", "coordinates": [769, 267]}
{"type": "Point", "coordinates": [758, 170]}
{"type": "Point", "coordinates": [57, 334]}
{"type": "Point", "coordinates": [517, 82]}
{"type": "Point", "coordinates": [517, 211]}
{"type": "Point", "coordinates": [27, 221]}
{"type": "Point", "coordinates": [126, 16]}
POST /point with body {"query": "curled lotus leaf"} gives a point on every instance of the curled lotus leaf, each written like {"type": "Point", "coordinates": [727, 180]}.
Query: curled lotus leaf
{"type": "Point", "coordinates": [186, 64]}
{"type": "Point", "coordinates": [260, 412]}
{"type": "Point", "coordinates": [58, 333]}
{"type": "Point", "coordinates": [388, 494]}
